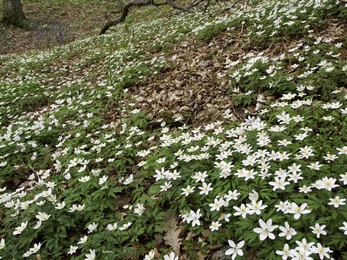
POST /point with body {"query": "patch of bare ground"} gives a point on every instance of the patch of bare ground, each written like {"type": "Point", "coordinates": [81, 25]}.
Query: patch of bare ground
{"type": "Point", "coordinates": [191, 87]}
{"type": "Point", "coordinates": [197, 84]}
{"type": "Point", "coordinates": [84, 18]}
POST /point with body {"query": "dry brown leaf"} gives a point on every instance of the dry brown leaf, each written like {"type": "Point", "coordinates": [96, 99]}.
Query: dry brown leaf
{"type": "Point", "coordinates": [158, 239]}
{"type": "Point", "coordinates": [200, 256]}
{"type": "Point", "coordinates": [172, 235]}
{"type": "Point", "coordinates": [156, 253]}
{"type": "Point", "coordinates": [172, 239]}
{"type": "Point", "coordinates": [190, 236]}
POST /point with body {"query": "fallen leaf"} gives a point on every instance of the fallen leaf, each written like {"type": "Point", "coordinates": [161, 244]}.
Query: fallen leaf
{"type": "Point", "coordinates": [158, 239]}
{"type": "Point", "coordinates": [172, 235]}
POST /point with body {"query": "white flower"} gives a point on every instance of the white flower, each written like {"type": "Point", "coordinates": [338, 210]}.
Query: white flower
{"type": "Point", "coordinates": [129, 180]}
{"type": "Point", "coordinates": [304, 245]}
{"type": "Point", "coordinates": [298, 211]}
{"type": "Point", "coordinates": [83, 240]}
{"type": "Point", "coordinates": [2, 243]}
{"type": "Point", "coordinates": [215, 226]}
{"type": "Point", "coordinates": [205, 188]}
{"type": "Point", "coordinates": [9, 204]}
{"type": "Point", "coordinates": [171, 256]}
{"type": "Point", "coordinates": [287, 231]}
{"type": "Point", "coordinates": [72, 250]}
{"type": "Point", "coordinates": [92, 227]}
{"type": "Point", "coordinates": [96, 172]}
{"type": "Point", "coordinates": [112, 227]}
{"type": "Point", "coordinates": [186, 191]}
{"type": "Point", "coordinates": [235, 250]}
{"type": "Point", "coordinates": [279, 183]}
{"type": "Point", "coordinates": [194, 217]}
{"type": "Point", "coordinates": [265, 229]}
{"type": "Point", "coordinates": [253, 195]}
{"type": "Point", "coordinates": [344, 228]}
{"type": "Point", "coordinates": [27, 254]}
{"type": "Point", "coordinates": [295, 177]}
{"type": "Point", "coordinates": [328, 118]}
{"type": "Point", "coordinates": [322, 251]}
{"type": "Point", "coordinates": [173, 175]}
{"type": "Point", "coordinates": [294, 168]}
{"type": "Point", "coordinates": [76, 207]}
{"type": "Point", "coordinates": [84, 179]}
{"type": "Point", "coordinates": [256, 207]}
{"type": "Point", "coordinates": [344, 178]}
{"type": "Point", "coordinates": [139, 209]}
{"type": "Point", "coordinates": [301, 254]}
{"type": "Point", "coordinates": [200, 176]}
{"type": "Point", "coordinates": [337, 201]}
{"type": "Point", "coordinates": [242, 210]}
{"type": "Point", "coordinates": [103, 179]}
{"type": "Point", "coordinates": [161, 174]}
{"type": "Point", "coordinates": [285, 253]}
{"type": "Point", "coordinates": [217, 204]}
{"type": "Point", "coordinates": [315, 166]}
{"type": "Point", "coordinates": [329, 69]}
{"type": "Point", "coordinates": [35, 248]}
{"type": "Point", "coordinates": [80, 207]}
{"type": "Point", "coordinates": [232, 195]}
{"type": "Point", "coordinates": [166, 186]}
{"type": "Point", "coordinates": [150, 255]}
{"type": "Point", "coordinates": [284, 142]}
{"type": "Point", "coordinates": [73, 208]}
{"type": "Point", "coordinates": [326, 183]}
{"type": "Point", "coordinates": [42, 216]}
{"type": "Point", "coordinates": [90, 256]}
{"type": "Point", "coordinates": [60, 205]}
{"type": "Point", "coordinates": [38, 224]}
{"type": "Point", "coordinates": [3, 164]}
{"type": "Point", "coordinates": [125, 226]}
{"type": "Point", "coordinates": [318, 230]}
{"type": "Point", "coordinates": [342, 150]}
{"type": "Point", "coordinates": [225, 217]}
{"type": "Point", "coordinates": [20, 229]}
{"type": "Point", "coordinates": [305, 189]}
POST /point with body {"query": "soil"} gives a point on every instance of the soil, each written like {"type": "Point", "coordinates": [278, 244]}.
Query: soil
{"type": "Point", "coordinates": [82, 20]}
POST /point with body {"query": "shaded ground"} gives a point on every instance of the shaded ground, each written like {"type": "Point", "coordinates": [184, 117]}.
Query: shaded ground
{"type": "Point", "coordinates": [85, 19]}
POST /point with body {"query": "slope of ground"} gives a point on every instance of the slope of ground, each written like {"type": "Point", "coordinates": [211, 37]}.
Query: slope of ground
{"type": "Point", "coordinates": [190, 136]}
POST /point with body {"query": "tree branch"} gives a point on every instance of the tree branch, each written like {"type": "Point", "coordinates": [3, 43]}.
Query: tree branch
{"type": "Point", "coordinates": [195, 3]}
{"type": "Point", "coordinates": [125, 10]}
{"type": "Point", "coordinates": [206, 6]}
{"type": "Point", "coordinates": [173, 5]}
{"type": "Point", "coordinates": [124, 14]}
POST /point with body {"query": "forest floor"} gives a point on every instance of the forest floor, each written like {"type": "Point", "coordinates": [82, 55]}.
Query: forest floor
{"type": "Point", "coordinates": [231, 103]}
{"type": "Point", "coordinates": [83, 19]}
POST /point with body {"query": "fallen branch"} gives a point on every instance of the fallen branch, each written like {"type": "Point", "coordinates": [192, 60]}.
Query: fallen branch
{"type": "Point", "coordinates": [126, 6]}
{"type": "Point", "coordinates": [175, 6]}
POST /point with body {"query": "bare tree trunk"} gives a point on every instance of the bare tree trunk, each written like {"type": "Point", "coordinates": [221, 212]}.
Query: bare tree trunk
{"type": "Point", "coordinates": [13, 12]}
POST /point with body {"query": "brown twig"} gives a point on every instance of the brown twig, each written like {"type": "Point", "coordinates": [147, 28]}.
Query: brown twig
{"type": "Point", "coordinates": [125, 11]}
